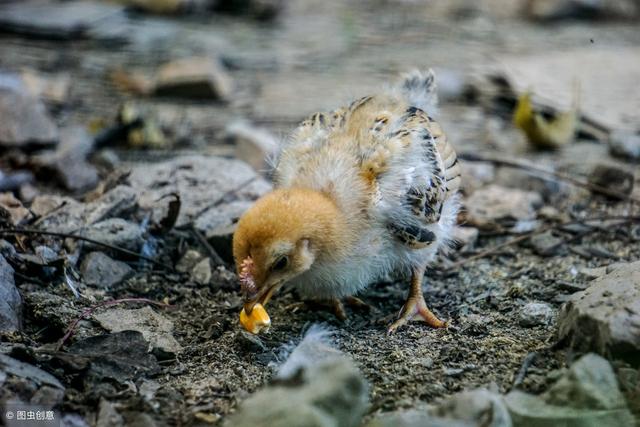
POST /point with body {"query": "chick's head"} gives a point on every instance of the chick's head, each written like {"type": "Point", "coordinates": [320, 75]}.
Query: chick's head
{"type": "Point", "coordinates": [280, 237]}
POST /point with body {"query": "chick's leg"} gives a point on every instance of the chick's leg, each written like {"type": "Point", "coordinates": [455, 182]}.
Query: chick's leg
{"type": "Point", "coordinates": [415, 306]}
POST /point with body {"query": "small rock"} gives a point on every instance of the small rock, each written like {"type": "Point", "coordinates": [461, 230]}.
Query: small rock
{"type": "Point", "coordinates": [588, 394]}
{"type": "Point", "coordinates": [116, 232]}
{"type": "Point", "coordinates": [154, 327]}
{"type": "Point", "coordinates": [193, 78]}
{"type": "Point", "coordinates": [201, 273]}
{"type": "Point", "coordinates": [536, 314]}
{"type": "Point", "coordinates": [493, 203]}
{"type": "Point", "coordinates": [625, 144]}
{"type": "Point", "coordinates": [54, 89]}
{"type": "Point", "coordinates": [612, 178]}
{"type": "Point", "coordinates": [103, 272]}
{"type": "Point", "coordinates": [122, 356]}
{"type": "Point", "coordinates": [47, 396]}
{"type": "Point", "coordinates": [476, 175]}
{"type": "Point", "coordinates": [16, 368]}
{"type": "Point", "coordinates": [188, 261]}
{"type": "Point", "coordinates": [605, 317]}
{"type": "Point", "coordinates": [262, 10]}
{"type": "Point", "coordinates": [25, 121]}
{"type": "Point", "coordinates": [10, 300]}
{"type": "Point", "coordinates": [17, 212]}
{"type": "Point", "coordinates": [253, 145]}
{"type": "Point", "coordinates": [69, 162]}
{"type": "Point", "coordinates": [546, 244]}
{"type": "Point", "coordinates": [250, 342]}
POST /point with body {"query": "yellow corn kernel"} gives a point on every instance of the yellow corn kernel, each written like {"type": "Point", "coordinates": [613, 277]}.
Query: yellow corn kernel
{"type": "Point", "coordinates": [256, 321]}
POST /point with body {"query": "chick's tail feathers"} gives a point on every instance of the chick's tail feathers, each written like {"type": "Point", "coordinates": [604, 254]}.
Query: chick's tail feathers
{"type": "Point", "coordinates": [418, 88]}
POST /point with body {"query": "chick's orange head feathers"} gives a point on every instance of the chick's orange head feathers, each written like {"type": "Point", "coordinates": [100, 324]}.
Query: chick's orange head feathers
{"type": "Point", "coordinates": [280, 236]}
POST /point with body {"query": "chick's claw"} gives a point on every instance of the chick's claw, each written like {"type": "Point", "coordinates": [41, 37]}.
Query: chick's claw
{"type": "Point", "coordinates": [416, 308]}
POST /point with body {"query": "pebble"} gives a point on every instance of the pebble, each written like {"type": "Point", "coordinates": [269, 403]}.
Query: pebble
{"type": "Point", "coordinates": [99, 270]}
{"type": "Point", "coordinates": [625, 144]}
{"type": "Point", "coordinates": [536, 314]}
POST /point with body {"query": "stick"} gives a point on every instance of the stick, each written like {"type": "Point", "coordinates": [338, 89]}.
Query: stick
{"type": "Point", "coordinates": [31, 231]}
{"type": "Point", "coordinates": [90, 311]}
{"type": "Point", "coordinates": [526, 364]}
{"type": "Point", "coordinates": [212, 252]}
{"type": "Point", "coordinates": [511, 242]}
{"type": "Point", "coordinates": [512, 163]}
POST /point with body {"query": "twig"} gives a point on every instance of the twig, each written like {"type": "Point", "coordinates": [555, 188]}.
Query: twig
{"type": "Point", "coordinates": [513, 163]}
{"type": "Point", "coordinates": [495, 249]}
{"type": "Point", "coordinates": [526, 364]}
{"type": "Point", "coordinates": [90, 311]}
{"type": "Point", "coordinates": [31, 231]}
{"type": "Point", "coordinates": [213, 254]}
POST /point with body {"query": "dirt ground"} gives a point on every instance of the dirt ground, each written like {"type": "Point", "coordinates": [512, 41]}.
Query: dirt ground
{"type": "Point", "coordinates": [315, 56]}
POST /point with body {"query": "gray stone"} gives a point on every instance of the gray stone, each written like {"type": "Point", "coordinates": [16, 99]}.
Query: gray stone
{"type": "Point", "coordinates": [101, 271]}
{"type": "Point", "coordinates": [605, 318]}
{"type": "Point", "coordinates": [116, 232]}
{"type": "Point", "coordinates": [546, 244]}
{"type": "Point", "coordinates": [25, 121]}
{"type": "Point", "coordinates": [205, 184]}
{"type": "Point", "coordinates": [493, 203]}
{"type": "Point", "coordinates": [253, 145]}
{"type": "Point", "coordinates": [66, 20]}
{"type": "Point", "coordinates": [154, 327]}
{"type": "Point", "coordinates": [625, 144]}
{"type": "Point", "coordinates": [66, 215]}
{"type": "Point", "coordinates": [479, 407]}
{"type": "Point", "coordinates": [612, 177]}
{"type": "Point", "coordinates": [188, 261]}
{"type": "Point", "coordinates": [536, 314]}
{"type": "Point", "coordinates": [333, 394]}
{"type": "Point", "coordinates": [201, 272]}
{"type": "Point", "coordinates": [193, 78]}
{"type": "Point", "coordinates": [69, 162]}
{"type": "Point", "coordinates": [11, 366]}
{"type": "Point", "coordinates": [316, 386]}
{"type": "Point", "coordinates": [587, 273]}
{"type": "Point", "coordinates": [476, 175]}
{"type": "Point", "coordinates": [10, 300]}
{"type": "Point", "coordinates": [587, 395]}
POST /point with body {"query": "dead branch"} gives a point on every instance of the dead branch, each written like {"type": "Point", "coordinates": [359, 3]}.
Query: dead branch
{"type": "Point", "coordinates": [31, 231]}
{"type": "Point", "coordinates": [517, 164]}
{"type": "Point", "coordinates": [496, 249]}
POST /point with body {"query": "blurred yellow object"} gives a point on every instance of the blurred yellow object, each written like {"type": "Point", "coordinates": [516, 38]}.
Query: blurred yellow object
{"type": "Point", "coordinates": [256, 321]}
{"type": "Point", "coordinates": [541, 132]}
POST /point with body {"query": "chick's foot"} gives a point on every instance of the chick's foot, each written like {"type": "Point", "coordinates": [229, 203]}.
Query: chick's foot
{"type": "Point", "coordinates": [415, 307]}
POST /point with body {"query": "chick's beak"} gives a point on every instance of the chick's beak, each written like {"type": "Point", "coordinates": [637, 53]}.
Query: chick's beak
{"type": "Point", "coordinates": [262, 297]}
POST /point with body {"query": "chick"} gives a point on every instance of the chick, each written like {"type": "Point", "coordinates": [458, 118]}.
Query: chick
{"type": "Point", "coordinates": [364, 191]}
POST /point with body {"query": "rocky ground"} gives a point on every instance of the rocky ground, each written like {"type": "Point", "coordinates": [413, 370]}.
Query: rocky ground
{"type": "Point", "coordinates": [132, 140]}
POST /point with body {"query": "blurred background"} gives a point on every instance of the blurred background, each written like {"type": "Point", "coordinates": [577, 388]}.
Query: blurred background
{"type": "Point", "coordinates": [144, 125]}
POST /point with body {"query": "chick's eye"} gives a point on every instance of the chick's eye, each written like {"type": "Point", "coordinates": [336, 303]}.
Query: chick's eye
{"type": "Point", "coordinates": [281, 263]}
